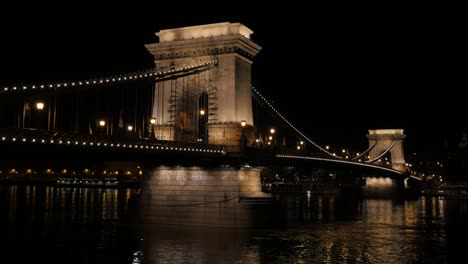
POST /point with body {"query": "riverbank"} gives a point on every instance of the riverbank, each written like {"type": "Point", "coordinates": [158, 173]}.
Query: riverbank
{"type": "Point", "coordinates": [87, 182]}
{"type": "Point", "coordinates": [448, 190]}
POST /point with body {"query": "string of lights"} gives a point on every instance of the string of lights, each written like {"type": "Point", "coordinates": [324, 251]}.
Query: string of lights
{"type": "Point", "coordinates": [339, 161]}
{"type": "Point", "coordinates": [155, 146]}
{"type": "Point", "coordinates": [147, 74]}
{"type": "Point", "coordinates": [290, 124]}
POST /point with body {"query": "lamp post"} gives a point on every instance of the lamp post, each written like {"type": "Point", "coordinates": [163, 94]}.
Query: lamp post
{"type": "Point", "coordinates": [243, 137]}
{"type": "Point", "coordinates": [130, 129]}
{"type": "Point", "coordinates": [102, 125]}
{"type": "Point", "coordinates": [153, 123]}
{"type": "Point", "coordinates": [202, 127]}
{"type": "Point", "coordinates": [39, 107]}
{"type": "Point", "coordinates": [272, 137]}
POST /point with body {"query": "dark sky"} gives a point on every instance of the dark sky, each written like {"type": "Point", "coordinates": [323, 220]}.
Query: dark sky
{"type": "Point", "coordinates": [336, 72]}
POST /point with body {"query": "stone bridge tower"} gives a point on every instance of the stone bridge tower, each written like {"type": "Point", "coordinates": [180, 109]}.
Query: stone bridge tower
{"type": "Point", "coordinates": [383, 139]}
{"type": "Point", "coordinates": [227, 87]}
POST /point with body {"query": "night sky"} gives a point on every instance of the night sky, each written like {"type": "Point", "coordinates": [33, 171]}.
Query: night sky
{"type": "Point", "coordinates": [334, 72]}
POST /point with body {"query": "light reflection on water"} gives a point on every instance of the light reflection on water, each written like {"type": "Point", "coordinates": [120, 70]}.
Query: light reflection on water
{"type": "Point", "coordinates": [78, 225]}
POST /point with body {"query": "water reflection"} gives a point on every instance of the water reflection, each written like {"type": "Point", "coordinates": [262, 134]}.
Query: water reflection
{"type": "Point", "coordinates": [64, 225]}
{"type": "Point", "coordinates": [78, 225]}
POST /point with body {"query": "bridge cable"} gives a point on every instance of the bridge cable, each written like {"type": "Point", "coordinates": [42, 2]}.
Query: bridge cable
{"type": "Point", "coordinates": [145, 74]}
{"type": "Point", "coordinates": [383, 153]}
{"type": "Point", "coordinates": [365, 152]}
{"type": "Point", "coordinates": [290, 124]}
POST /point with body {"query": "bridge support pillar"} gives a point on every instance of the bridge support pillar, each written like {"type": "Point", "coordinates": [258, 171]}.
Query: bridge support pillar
{"type": "Point", "coordinates": [223, 92]}
{"type": "Point", "coordinates": [201, 196]}
{"type": "Point", "coordinates": [231, 135]}
{"type": "Point", "coordinates": [383, 139]}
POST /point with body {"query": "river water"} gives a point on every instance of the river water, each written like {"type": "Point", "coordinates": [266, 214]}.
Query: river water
{"type": "Point", "coordinates": [47, 224]}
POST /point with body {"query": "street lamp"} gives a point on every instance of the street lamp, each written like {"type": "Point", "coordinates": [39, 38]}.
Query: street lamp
{"type": "Point", "coordinates": [273, 140]}
{"type": "Point", "coordinates": [130, 130]}
{"type": "Point", "coordinates": [202, 111]}
{"type": "Point", "coordinates": [243, 138]}
{"type": "Point", "coordinates": [39, 105]}
{"type": "Point", "coordinates": [153, 122]}
{"type": "Point", "coordinates": [102, 125]}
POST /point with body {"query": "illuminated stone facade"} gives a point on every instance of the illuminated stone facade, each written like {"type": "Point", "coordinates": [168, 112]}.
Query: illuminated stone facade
{"type": "Point", "coordinates": [383, 139]}
{"type": "Point", "coordinates": [199, 196]}
{"type": "Point", "coordinates": [227, 86]}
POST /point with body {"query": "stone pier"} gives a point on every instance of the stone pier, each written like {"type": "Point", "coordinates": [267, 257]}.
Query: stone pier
{"type": "Point", "coordinates": [202, 196]}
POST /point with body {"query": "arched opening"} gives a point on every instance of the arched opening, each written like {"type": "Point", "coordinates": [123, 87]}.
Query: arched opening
{"type": "Point", "coordinates": [203, 112]}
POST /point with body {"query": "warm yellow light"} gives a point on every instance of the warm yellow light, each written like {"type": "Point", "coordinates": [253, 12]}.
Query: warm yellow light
{"type": "Point", "coordinates": [298, 147]}
{"type": "Point", "coordinates": [102, 123]}
{"type": "Point", "coordinates": [202, 112]}
{"type": "Point", "coordinates": [128, 173]}
{"type": "Point", "coordinates": [29, 171]}
{"type": "Point", "coordinates": [270, 138]}
{"type": "Point", "coordinates": [343, 150]}
{"type": "Point", "coordinates": [40, 105]}
{"type": "Point", "coordinates": [64, 171]}
{"type": "Point", "coordinates": [302, 142]}
{"type": "Point", "coordinates": [272, 130]}
{"type": "Point", "coordinates": [243, 123]}
{"type": "Point", "coordinates": [153, 120]}
{"type": "Point", "coordinates": [327, 147]}
{"type": "Point", "coordinates": [140, 172]}
{"type": "Point", "coordinates": [130, 128]}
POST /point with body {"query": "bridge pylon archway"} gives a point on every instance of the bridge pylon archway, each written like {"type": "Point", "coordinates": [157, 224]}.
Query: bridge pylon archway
{"type": "Point", "coordinates": [228, 85]}
{"type": "Point", "coordinates": [383, 140]}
